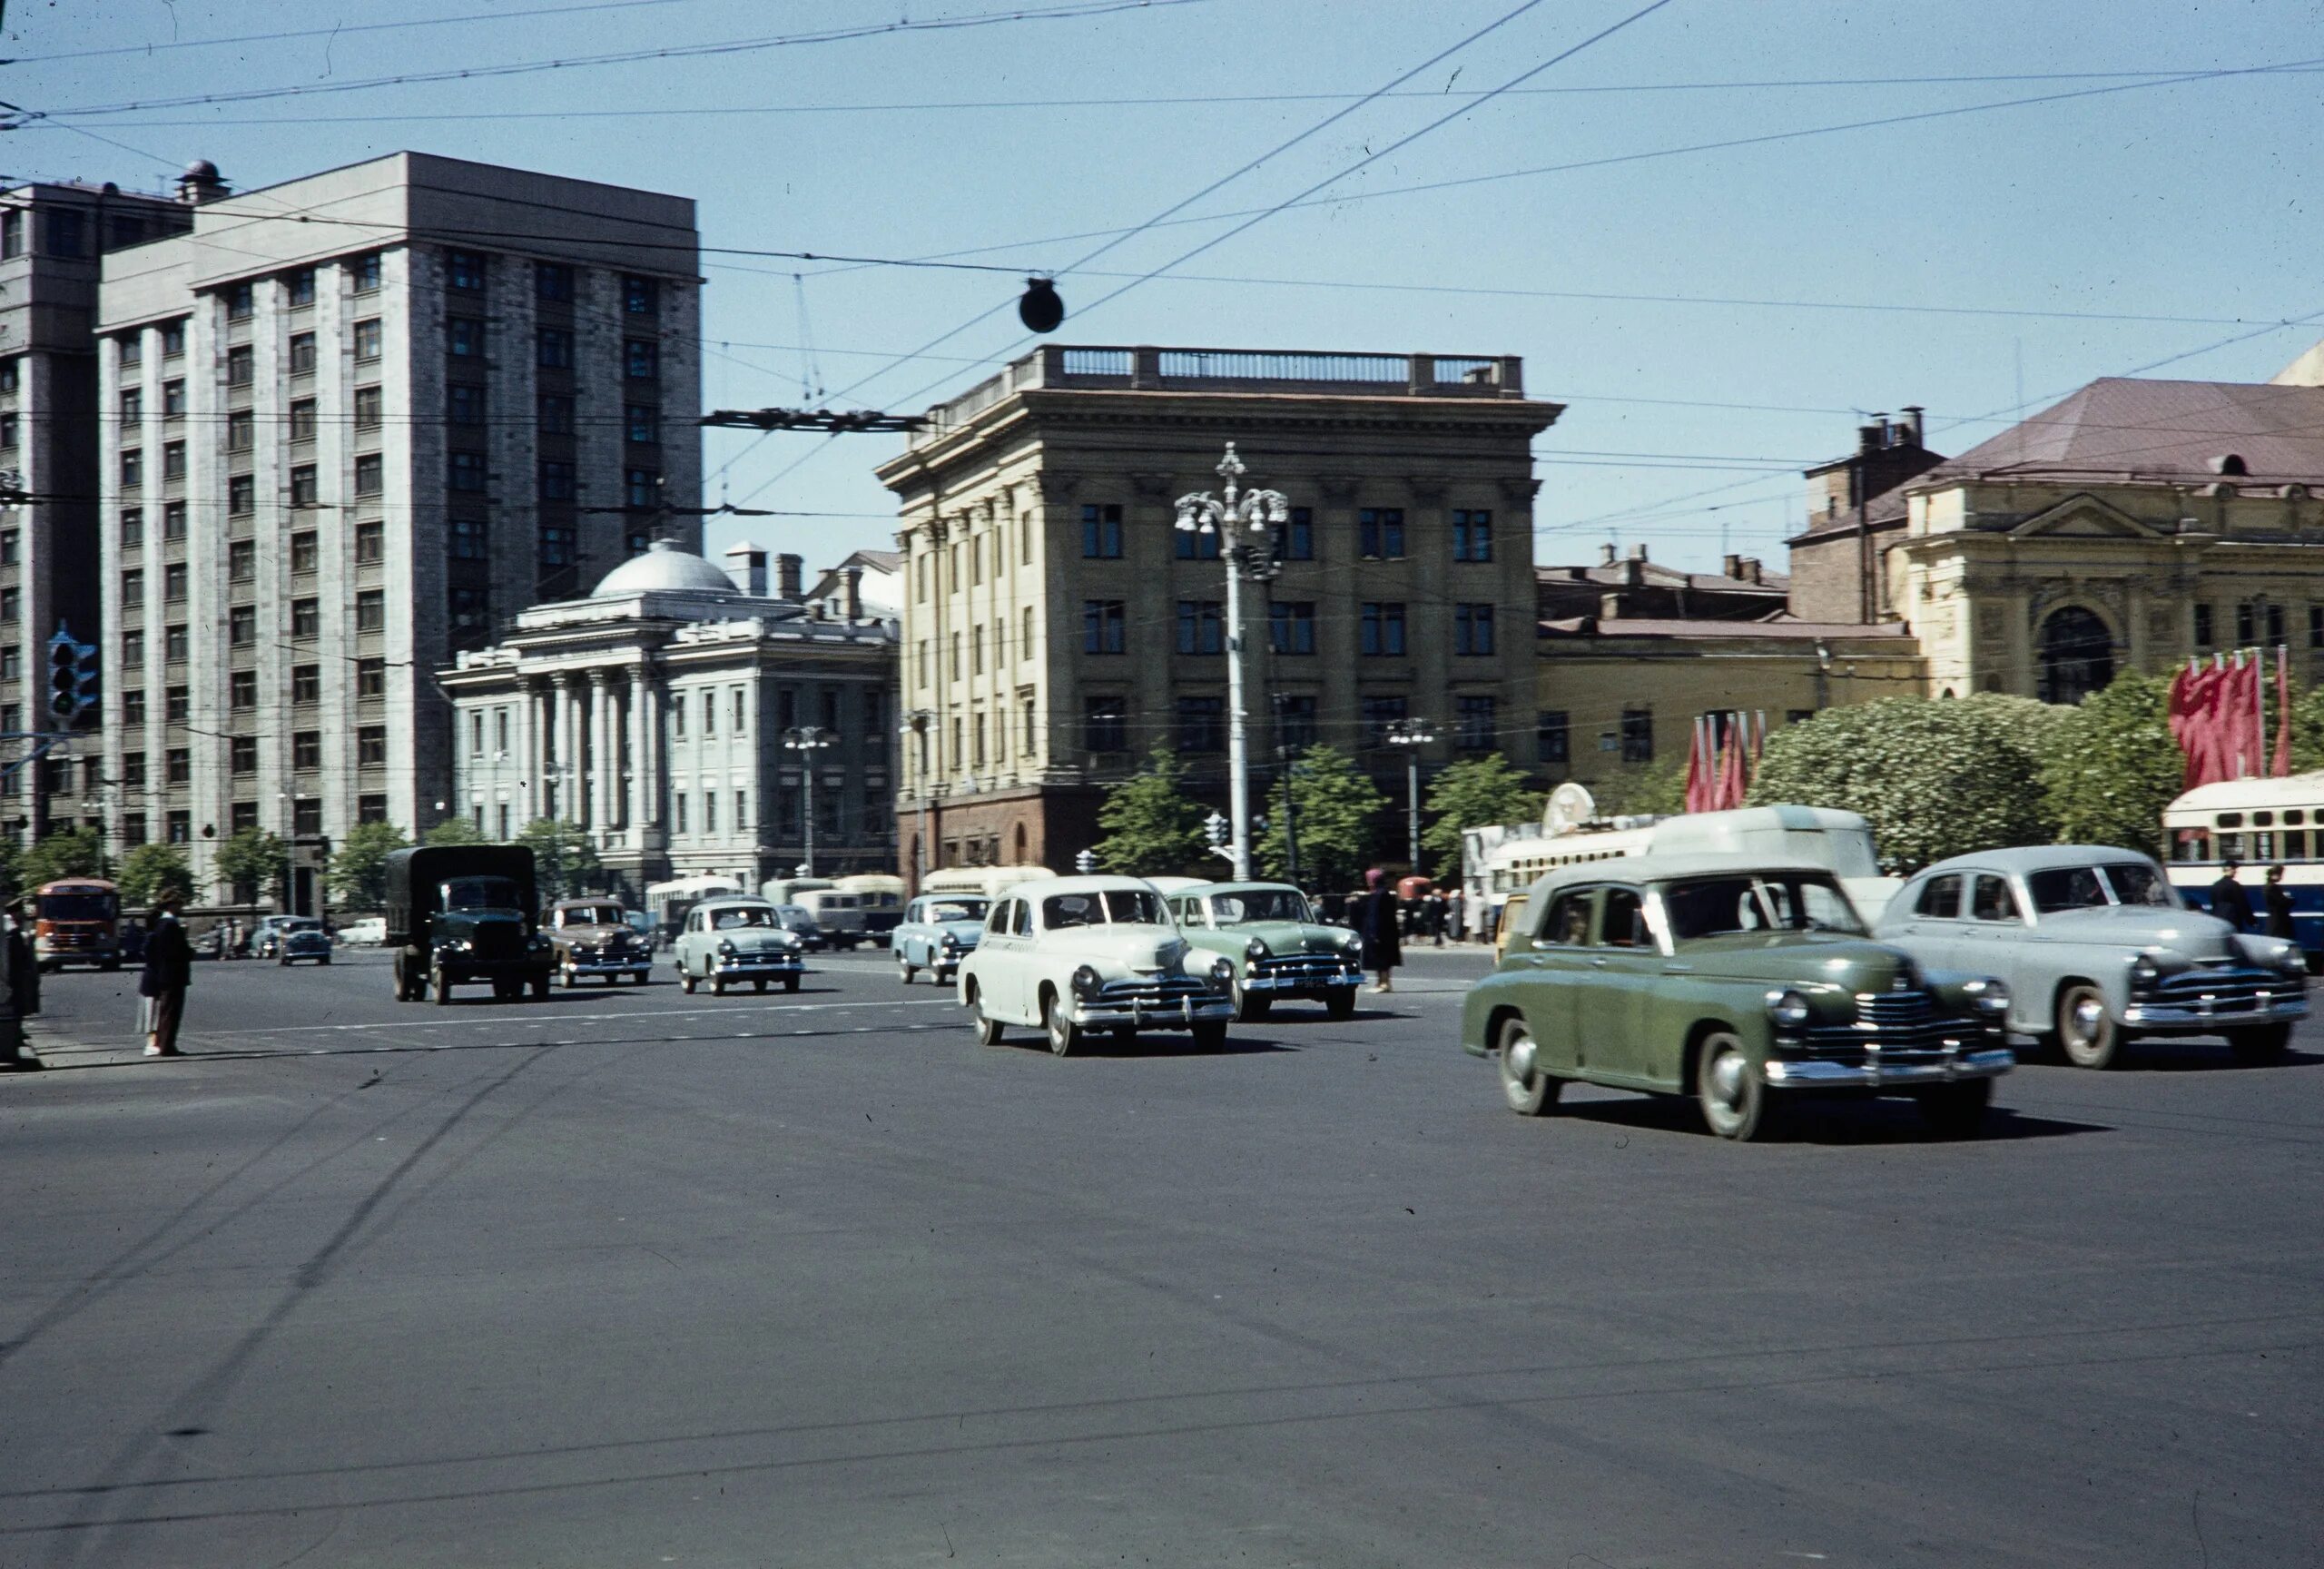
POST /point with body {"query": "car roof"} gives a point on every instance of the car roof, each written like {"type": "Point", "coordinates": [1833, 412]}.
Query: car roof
{"type": "Point", "coordinates": [1252, 886]}
{"type": "Point", "coordinates": [1050, 887]}
{"type": "Point", "coordinates": [2035, 858]}
{"type": "Point", "coordinates": [1652, 868]}
{"type": "Point", "coordinates": [740, 901]}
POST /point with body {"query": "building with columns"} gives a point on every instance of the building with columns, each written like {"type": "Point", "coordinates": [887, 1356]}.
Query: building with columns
{"type": "Point", "coordinates": [1056, 629]}
{"type": "Point", "coordinates": [656, 711]}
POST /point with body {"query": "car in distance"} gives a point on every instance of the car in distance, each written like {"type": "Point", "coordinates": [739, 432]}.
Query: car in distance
{"type": "Point", "coordinates": [265, 938]}
{"type": "Point", "coordinates": [594, 937]}
{"type": "Point", "coordinates": [936, 931]}
{"type": "Point", "coordinates": [1741, 983]}
{"type": "Point", "coordinates": [462, 913]}
{"type": "Point", "coordinates": [1078, 956]}
{"type": "Point", "coordinates": [298, 938]}
{"type": "Point", "coordinates": [2096, 949]}
{"type": "Point", "coordinates": [1280, 952]}
{"type": "Point", "coordinates": [732, 939]}
{"type": "Point", "coordinates": [368, 932]}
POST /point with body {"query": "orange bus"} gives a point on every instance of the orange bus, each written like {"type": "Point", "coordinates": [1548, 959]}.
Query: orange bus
{"type": "Point", "coordinates": [77, 921]}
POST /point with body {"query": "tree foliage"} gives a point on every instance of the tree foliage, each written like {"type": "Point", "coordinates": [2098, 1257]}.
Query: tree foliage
{"type": "Point", "coordinates": [564, 861]}
{"type": "Point", "coordinates": [359, 868]}
{"type": "Point", "coordinates": [1936, 778]}
{"type": "Point", "coordinates": [153, 873]}
{"type": "Point", "coordinates": [1153, 826]}
{"type": "Point", "coordinates": [456, 830]}
{"type": "Point", "coordinates": [253, 858]}
{"type": "Point", "coordinates": [1472, 794]}
{"type": "Point", "coordinates": [71, 852]}
{"type": "Point", "coordinates": [2113, 765]}
{"type": "Point", "coordinates": [1337, 806]}
{"type": "Point", "coordinates": [1658, 792]}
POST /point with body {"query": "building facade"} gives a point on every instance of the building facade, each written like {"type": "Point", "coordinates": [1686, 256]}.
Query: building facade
{"type": "Point", "coordinates": [365, 416]}
{"type": "Point", "coordinates": [660, 713]}
{"type": "Point", "coordinates": [1058, 629]}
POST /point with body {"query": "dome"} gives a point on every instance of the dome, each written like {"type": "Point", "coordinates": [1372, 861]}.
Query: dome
{"type": "Point", "coordinates": [665, 568]}
{"type": "Point", "coordinates": [201, 169]}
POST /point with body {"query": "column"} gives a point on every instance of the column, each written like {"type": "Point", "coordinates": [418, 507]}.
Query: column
{"type": "Point", "coordinates": [642, 730]}
{"type": "Point", "coordinates": [533, 800]}
{"type": "Point", "coordinates": [603, 754]}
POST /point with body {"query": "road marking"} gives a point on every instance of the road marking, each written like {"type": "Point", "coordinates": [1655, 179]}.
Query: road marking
{"type": "Point", "coordinates": [630, 1015]}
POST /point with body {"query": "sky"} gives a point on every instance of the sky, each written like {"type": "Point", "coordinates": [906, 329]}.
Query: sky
{"type": "Point", "coordinates": [1715, 317]}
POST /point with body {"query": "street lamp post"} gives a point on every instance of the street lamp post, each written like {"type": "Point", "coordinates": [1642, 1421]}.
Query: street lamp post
{"type": "Point", "coordinates": [1412, 735]}
{"type": "Point", "coordinates": [807, 740]}
{"type": "Point", "coordinates": [1241, 519]}
{"type": "Point", "coordinates": [917, 723]}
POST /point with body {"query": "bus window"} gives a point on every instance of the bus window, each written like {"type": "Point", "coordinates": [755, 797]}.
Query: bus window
{"type": "Point", "coordinates": [2263, 845]}
{"type": "Point", "coordinates": [2295, 843]}
{"type": "Point", "coordinates": [2231, 819]}
{"type": "Point", "coordinates": [2191, 844]}
{"type": "Point", "coordinates": [2230, 846]}
{"type": "Point", "coordinates": [2263, 819]}
{"type": "Point", "coordinates": [2294, 817]}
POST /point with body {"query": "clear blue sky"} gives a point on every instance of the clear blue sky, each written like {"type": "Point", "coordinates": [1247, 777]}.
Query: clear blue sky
{"type": "Point", "coordinates": [2194, 201]}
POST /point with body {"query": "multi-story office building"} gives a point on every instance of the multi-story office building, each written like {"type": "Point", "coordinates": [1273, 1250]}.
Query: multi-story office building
{"type": "Point", "coordinates": [1057, 627]}
{"type": "Point", "coordinates": [363, 417]}
{"type": "Point", "coordinates": [659, 711]}
{"type": "Point", "coordinates": [51, 238]}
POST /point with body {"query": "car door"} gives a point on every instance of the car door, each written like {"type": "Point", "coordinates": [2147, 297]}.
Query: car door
{"type": "Point", "coordinates": [909, 946]}
{"type": "Point", "coordinates": [1553, 956]}
{"type": "Point", "coordinates": [1932, 931]}
{"type": "Point", "coordinates": [999, 961]}
{"type": "Point", "coordinates": [1623, 960]}
{"type": "Point", "coordinates": [1994, 935]}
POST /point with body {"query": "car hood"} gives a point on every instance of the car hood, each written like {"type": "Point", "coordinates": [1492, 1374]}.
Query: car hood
{"type": "Point", "coordinates": [592, 934]}
{"type": "Point", "coordinates": [2187, 932]}
{"type": "Point", "coordinates": [1287, 936]}
{"type": "Point", "coordinates": [754, 939]}
{"type": "Point", "coordinates": [1123, 949]}
{"type": "Point", "coordinates": [1802, 958]}
{"type": "Point", "coordinates": [965, 933]}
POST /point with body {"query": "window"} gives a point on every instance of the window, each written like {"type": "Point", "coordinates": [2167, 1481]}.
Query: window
{"type": "Point", "coordinates": [1553, 736]}
{"type": "Point", "coordinates": [1383, 629]}
{"type": "Point", "coordinates": [242, 625]}
{"type": "Point", "coordinates": [2275, 625]}
{"type": "Point", "coordinates": [173, 399]}
{"type": "Point", "coordinates": [463, 336]}
{"type": "Point", "coordinates": [174, 582]}
{"type": "Point", "coordinates": [11, 604]}
{"type": "Point", "coordinates": [1201, 627]}
{"type": "Point", "coordinates": [371, 745]}
{"type": "Point", "coordinates": [463, 270]}
{"type": "Point", "coordinates": [557, 546]}
{"type": "Point", "coordinates": [302, 420]}
{"type": "Point", "coordinates": [242, 690]}
{"type": "Point", "coordinates": [2246, 623]}
{"type": "Point", "coordinates": [306, 618]}
{"type": "Point", "coordinates": [470, 610]}
{"type": "Point", "coordinates": [306, 684]}
{"type": "Point", "coordinates": [173, 339]}
{"type": "Point", "coordinates": [302, 353]}
{"type": "Point", "coordinates": [976, 650]}
{"type": "Point", "coordinates": [12, 241]}
{"type": "Point", "coordinates": [1101, 532]}
{"type": "Point", "coordinates": [464, 472]}
{"type": "Point", "coordinates": [243, 753]}
{"type": "Point", "coordinates": [1295, 721]}
{"type": "Point", "coordinates": [1202, 724]}
{"type": "Point", "coordinates": [371, 677]}
{"type": "Point", "coordinates": [241, 300]}
{"type": "Point", "coordinates": [642, 424]}
{"type": "Point", "coordinates": [552, 281]}
{"type": "Point", "coordinates": [557, 414]}
{"type": "Point", "coordinates": [1192, 545]}
{"type": "Point", "coordinates": [174, 520]}
{"type": "Point", "coordinates": [241, 366]}
{"type": "Point", "coordinates": [1291, 627]}
{"type": "Point", "coordinates": [132, 770]}
{"type": "Point", "coordinates": [1297, 542]}
{"type": "Point", "coordinates": [132, 469]}
{"type": "Point", "coordinates": [1105, 724]}
{"type": "Point", "coordinates": [366, 338]}
{"type": "Point", "coordinates": [639, 296]}
{"type": "Point", "coordinates": [465, 540]}
{"type": "Point", "coordinates": [1101, 627]}
{"type": "Point", "coordinates": [464, 404]}
{"type": "Point", "coordinates": [364, 273]}
{"type": "Point", "coordinates": [298, 288]}
{"type": "Point", "coordinates": [742, 709]}
{"type": "Point", "coordinates": [241, 495]}
{"type": "Point", "coordinates": [241, 431]}
{"type": "Point", "coordinates": [133, 589]}
{"type": "Point", "coordinates": [306, 552]}
{"type": "Point", "coordinates": [556, 348]}
{"type": "Point", "coordinates": [641, 358]}
{"type": "Point", "coordinates": [1380, 533]}
{"type": "Point", "coordinates": [1476, 728]}
{"type": "Point", "coordinates": [132, 705]}
{"type": "Point", "coordinates": [2204, 637]}
{"type": "Point", "coordinates": [370, 409]}
{"type": "Point", "coordinates": [1473, 629]}
{"type": "Point", "coordinates": [12, 541]}
{"type": "Point", "coordinates": [1380, 712]}
{"type": "Point", "coordinates": [177, 766]}
{"type": "Point", "coordinates": [709, 714]}
{"type": "Point", "coordinates": [641, 487]}
{"type": "Point", "coordinates": [1991, 900]}
{"type": "Point", "coordinates": [678, 812]}
{"type": "Point", "coordinates": [1638, 735]}
{"type": "Point", "coordinates": [1472, 536]}
{"type": "Point", "coordinates": [177, 643]}
{"type": "Point", "coordinates": [371, 611]}
{"type": "Point", "coordinates": [556, 481]}
{"type": "Point", "coordinates": [305, 490]}
{"type": "Point", "coordinates": [132, 410]}
{"type": "Point", "coordinates": [132, 656]}
{"type": "Point", "coordinates": [370, 544]}
{"type": "Point", "coordinates": [2316, 625]}
{"type": "Point", "coordinates": [1025, 643]}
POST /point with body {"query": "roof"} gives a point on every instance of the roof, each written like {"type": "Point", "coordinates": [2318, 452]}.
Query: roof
{"type": "Point", "coordinates": [1778, 631]}
{"type": "Point", "coordinates": [2035, 858]}
{"type": "Point", "coordinates": [2127, 428]}
{"type": "Point", "coordinates": [1651, 867]}
{"type": "Point", "coordinates": [1654, 574]}
{"type": "Point", "coordinates": [1887, 513]}
{"type": "Point", "coordinates": [2236, 795]}
{"type": "Point", "coordinates": [665, 567]}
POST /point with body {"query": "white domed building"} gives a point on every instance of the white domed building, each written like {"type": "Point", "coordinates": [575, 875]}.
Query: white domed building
{"type": "Point", "coordinates": [660, 715]}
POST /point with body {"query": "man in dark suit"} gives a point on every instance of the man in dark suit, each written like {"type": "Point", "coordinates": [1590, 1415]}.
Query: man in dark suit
{"type": "Point", "coordinates": [169, 969]}
{"type": "Point", "coordinates": [1377, 918]}
{"type": "Point", "coordinates": [2279, 902]}
{"type": "Point", "coordinates": [2228, 902]}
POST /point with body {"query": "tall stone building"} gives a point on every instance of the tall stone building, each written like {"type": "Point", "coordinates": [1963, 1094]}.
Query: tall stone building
{"type": "Point", "coordinates": [1057, 627]}
{"type": "Point", "coordinates": [366, 416]}
{"type": "Point", "coordinates": [52, 237]}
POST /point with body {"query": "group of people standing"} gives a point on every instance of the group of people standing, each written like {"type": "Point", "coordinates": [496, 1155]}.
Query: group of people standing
{"type": "Point", "coordinates": [2231, 904]}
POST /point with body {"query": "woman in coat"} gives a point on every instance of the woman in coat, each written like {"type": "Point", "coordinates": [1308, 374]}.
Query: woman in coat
{"type": "Point", "coordinates": [169, 967]}
{"type": "Point", "coordinates": [1376, 921]}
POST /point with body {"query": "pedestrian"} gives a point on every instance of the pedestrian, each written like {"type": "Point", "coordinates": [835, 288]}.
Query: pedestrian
{"type": "Point", "coordinates": [2279, 904]}
{"type": "Point", "coordinates": [24, 961]}
{"type": "Point", "coordinates": [1455, 907]}
{"type": "Point", "coordinates": [169, 967]}
{"type": "Point", "coordinates": [2228, 902]}
{"type": "Point", "coordinates": [1377, 915]}
{"type": "Point", "coordinates": [1436, 917]}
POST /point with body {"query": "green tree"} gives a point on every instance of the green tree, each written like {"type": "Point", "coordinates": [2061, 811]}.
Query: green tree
{"type": "Point", "coordinates": [1338, 807]}
{"type": "Point", "coordinates": [456, 830]}
{"type": "Point", "coordinates": [253, 858]}
{"type": "Point", "coordinates": [71, 852]}
{"type": "Point", "coordinates": [153, 873]}
{"type": "Point", "coordinates": [359, 867]}
{"type": "Point", "coordinates": [2306, 730]}
{"type": "Point", "coordinates": [1935, 776]}
{"type": "Point", "coordinates": [564, 861]}
{"type": "Point", "coordinates": [2113, 765]}
{"type": "Point", "coordinates": [1471, 793]}
{"type": "Point", "coordinates": [1660, 791]}
{"type": "Point", "coordinates": [1153, 824]}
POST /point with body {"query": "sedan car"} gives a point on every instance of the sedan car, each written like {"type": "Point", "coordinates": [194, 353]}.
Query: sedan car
{"type": "Point", "coordinates": [1077, 956]}
{"type": "Point", "coordinates": [1279, 950]}
{"type": "Point", "coordinates": [936, 931]}
{"type": "Point", "coordinates": [726, 942]}
{"type": "Point", "coordinates": [299, 939]}
{"type": "Point", "coordinates": [365, 934]}
{"type": "Point", "coordinates": [594, 937]}
{"type": "Point", "coordinates": [1742, 982]}
{"type": "Point", "coordinates": [2096, 950]}
{"type": "Point", "coordinates": [265, 938]}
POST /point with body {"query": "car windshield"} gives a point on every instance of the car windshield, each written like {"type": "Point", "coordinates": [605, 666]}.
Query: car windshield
{"type": "Point", "coordinates": [2136, 882]}
{"type": "Point", "coordinates": [77, 906]}
{"type": "Point", "coordinates": [1259, 904]}
{"type": "Point", "coordinates": [2059, 888]}
{"type": "Point", "coordinates": [1724, 906]}
{"type": "Point", "coordinates": [472, 893]}
{"type": "Point", "coordinates": [960, 910]}
{"type": "Point", "coordinates": [741, 915]}
{"type": "Point", "coordinates": [301, 924]}
{"type": "Point", "coordinates": [1104, 907]}
{"type": "Point", "coordinates": [590, 915]}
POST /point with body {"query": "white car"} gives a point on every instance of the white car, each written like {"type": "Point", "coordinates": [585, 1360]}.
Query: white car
{"type": "Point", "coordinates": [369, 934]}
{"type": "Point", "coordinates": [1074, 956]}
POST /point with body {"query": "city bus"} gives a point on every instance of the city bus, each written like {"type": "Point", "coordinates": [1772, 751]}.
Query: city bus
{"type": "Point", "coordinates": [2262, 823]}
{"type": "Point", "coordinates": [989, 882]}
{"type": "Point", "coordinates": [77, 921]}
{"type": "Point", "coordinates": [882, 896]}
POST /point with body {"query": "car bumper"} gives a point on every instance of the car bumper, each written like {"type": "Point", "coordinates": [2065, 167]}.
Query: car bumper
{"type": "Point", "coordinates": [1812, 1073]}
{"type": "Point", "coordinates": [637, 966]}
{"type": "Point", "coordinates": [1168, 1014]}
{"type": "Point", "coordinates": [1310, 985]}
{"type": "Point", "coordinates": [758, 964]}
{"type": "Point", "coordinates": [2199, 1018]}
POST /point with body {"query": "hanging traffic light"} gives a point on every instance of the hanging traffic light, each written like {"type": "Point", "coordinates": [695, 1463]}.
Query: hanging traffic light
{"type": "Point", "coordinates": [71, 678]}
{"type": "Point", "coordinates": [1040, 309]}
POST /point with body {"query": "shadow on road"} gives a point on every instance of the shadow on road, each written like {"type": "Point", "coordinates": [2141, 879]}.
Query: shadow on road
{"type": "Point", "coordinates": [1828, 1121]}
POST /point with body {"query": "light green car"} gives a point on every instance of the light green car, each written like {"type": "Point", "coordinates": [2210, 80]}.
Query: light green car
{"type": "Point", "coordinates": [1741, 983]}
{"type": "Point", "coordinates": [1279, 949]}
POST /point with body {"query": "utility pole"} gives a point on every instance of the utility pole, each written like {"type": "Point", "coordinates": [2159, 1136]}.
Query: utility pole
{"type": "Point", "coordinates": [1412, 735]}
{"type": "Point", "coordinates": [807, 740]}
{"type": "Point", "coordinates": [1240, 520]}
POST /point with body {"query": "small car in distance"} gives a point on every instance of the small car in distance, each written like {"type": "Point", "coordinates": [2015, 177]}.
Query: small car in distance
{"type": "Point", "coordinates": [936, 931]}
{"type": "Point", "coordinates": [733, 939]}
{"type": "Point", "coordinates": [1077, 956]}
{"type": "Point", "coordinates": [265, 938]}
{"type": "Point", "coordinates": [300, 938]}
{"type": "Point", "coordinates": [2097, 949]}
{"type": "Point", "coordinates": [369, 933]}
{"type": "Point", "coordinates": [800, 923]}
{"type": "Point", "coordinates": [1742, 984]}
{"type": "Point", "coordinates": [594, 937]}
{"type": "Point", "coordinates": [1279, 950]}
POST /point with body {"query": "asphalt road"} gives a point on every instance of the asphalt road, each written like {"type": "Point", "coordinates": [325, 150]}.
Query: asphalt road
{"type": "Point", "coordinates": [632, 1278]}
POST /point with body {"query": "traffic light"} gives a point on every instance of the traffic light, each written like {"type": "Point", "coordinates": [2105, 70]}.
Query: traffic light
{"type": "Point", "coordinates": [71, 678]}
{"type": "Point", "coordinates": [1214, 828]}
{"type": "Point", "coordinates": [1040, 309]}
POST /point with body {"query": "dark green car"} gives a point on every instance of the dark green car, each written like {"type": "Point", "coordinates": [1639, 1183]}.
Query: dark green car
{"type": "Point", "coordinates": [1743, 985]}
{"type": "Point", "coordinates": [1280, 950]}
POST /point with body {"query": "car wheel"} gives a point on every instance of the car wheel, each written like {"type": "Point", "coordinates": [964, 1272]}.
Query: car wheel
{"type": "Point", "coordinates": [758, 983]}
{"type": "Point", "coordinates": [1955, 1111]}
{"type": "Point", "coordinates": [1250, 1009]}
{"type": "Point", "coordinates": [2087, 1034]}
{"type": "Point", "coordinates": [718, 985]}
{"type": "Point", "coordinates": [790, 982]}
{"type": "Point", "coordinates": [905, 970]}
{"type": "Point", "coordinates": [284, 960]}
{"type": "Point", "coordinates": [506, 991]}
{"type": "Point", "coordinates": [1064, 1033]}
{"type": "Point", "coordinates": [686, 980]}
{"type": "Point", "coordinates": [1733, 1096]}
{"type": "Point", "coordinates": [2261, 1043]}
{"type": "Point", "coordinates": [324, 960]}
{"type": "Point", "coordinates": [1529, 1090]}
{"type": "Point", "coordinates": [988, 1028]}
{"type": "Point", "coordinates": [443, 986]}
{"type": "Point", "coordinates": [1210, 1036]}
{"type": "Point", "coordinates": [1340, 1002]}
{"type": "Point", "coordinates": [540, 989]}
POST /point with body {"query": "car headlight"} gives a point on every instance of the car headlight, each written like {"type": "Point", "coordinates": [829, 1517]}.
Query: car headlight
{"type": "Point", "coordinates": [2291, 961]}
{"type": "Point", "coordinates": [1353, 942]}
{"type": "Point", "coordinates": [1987, 995]}
{"type": "Point", "coordinates": [1086, 983]}
{"type": "Point", "coordinates": [1790, 1009]}
{"type": "Point", "coordinates": [950, 941]}
{"type": "Point", "coordinates": [2145, 972]}
{"type": "Point", "coordinates": [727, 946]}
{"type": "Point", "coordinates": [1255, 949]}
{"type": "Point", "coordinates": [1222, 970]}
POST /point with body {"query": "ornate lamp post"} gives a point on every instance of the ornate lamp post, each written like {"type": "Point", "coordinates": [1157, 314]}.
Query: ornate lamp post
{"type": "Point", "coordinates": [807, 740]}
{"type": "Point", "coordinates": [1412, 735]}
{"type": "Point", "coordinates": [1244, 521]}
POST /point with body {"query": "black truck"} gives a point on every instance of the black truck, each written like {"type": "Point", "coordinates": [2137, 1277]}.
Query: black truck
{"type": "Point", "coordinates": [459, 914]}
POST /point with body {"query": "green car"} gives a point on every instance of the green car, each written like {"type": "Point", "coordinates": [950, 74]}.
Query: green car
{"type": "Point", "coordinates": [1279, 949]}
{"type": "Point", "coordinates": [1740, 982]}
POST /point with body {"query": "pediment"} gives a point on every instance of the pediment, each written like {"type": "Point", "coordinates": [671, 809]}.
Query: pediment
{"type": "Point", "coordinates": [2085, 516]}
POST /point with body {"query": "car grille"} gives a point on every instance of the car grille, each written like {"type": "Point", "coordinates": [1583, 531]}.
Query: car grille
{"type": "Point", "coordinates": [1300, 967]}
{"type": "Point", "coordinates": [1153, 991]}
{"type": "Point", "coordinates": [1903, 1026]}
{"type": "Point", "coordinates": [499, 940]}
{"type": "Point", "coordinates": [2227, 990]}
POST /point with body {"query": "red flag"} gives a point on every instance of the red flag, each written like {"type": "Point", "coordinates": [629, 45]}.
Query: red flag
{"type": "Point", "coordinates": [1700, 785]}
{"type": "Point", "coordinates": [2282, 769]}
{"type": "Point", "coordinates": [1731, 765]}
{"type": "Point", "coordinates": [2247, 744]}
{"type": "Point", "coordinates": [2195, 694]}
